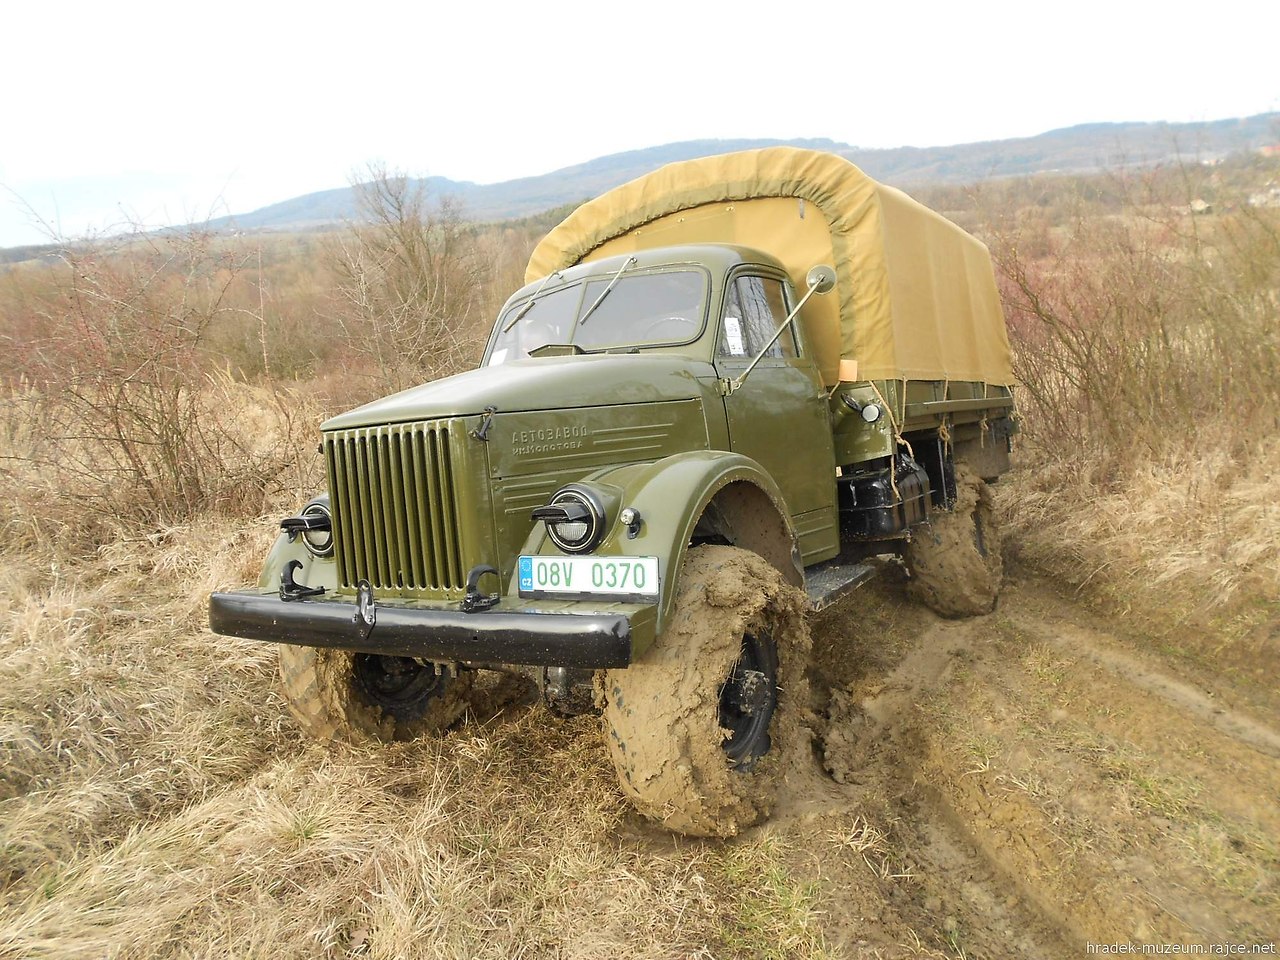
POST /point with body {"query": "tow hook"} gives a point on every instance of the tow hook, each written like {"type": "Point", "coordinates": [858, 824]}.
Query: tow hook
{"type": "Point", "coordinates": [290, 589]}
{"type": "Point", "coordinates": [474, 601]}
{"type": "Point", "coordinates": [366, 615]}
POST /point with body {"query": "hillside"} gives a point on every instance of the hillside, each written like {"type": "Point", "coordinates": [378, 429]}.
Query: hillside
{"type": "Point", "coordinates": [512, 198]}
{"type": "Point", "coordinates": [1078, 149]}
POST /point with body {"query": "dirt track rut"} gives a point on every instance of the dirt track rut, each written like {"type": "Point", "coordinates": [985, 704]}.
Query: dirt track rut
{"type": "Point", "coordinates": [1026, 783]}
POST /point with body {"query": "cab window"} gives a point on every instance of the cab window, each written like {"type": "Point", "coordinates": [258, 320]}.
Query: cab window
{"type": "Point", "coordinates": [754, 307]}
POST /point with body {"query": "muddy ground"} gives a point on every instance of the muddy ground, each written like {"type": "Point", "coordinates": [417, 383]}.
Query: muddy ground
{"type": "Point", "coordinates": [1021, 784]}
{"type": "Point", "coordinates": [1034, 781]}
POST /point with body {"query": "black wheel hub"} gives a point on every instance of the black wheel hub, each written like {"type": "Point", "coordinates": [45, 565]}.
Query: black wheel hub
{"type": "Point", "coordinates": [401, 686]}
{"type": "Point", "coordinates": [747, 701]}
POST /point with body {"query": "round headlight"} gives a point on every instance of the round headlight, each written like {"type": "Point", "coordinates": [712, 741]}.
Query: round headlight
{"type": "Point", "coordinates": [319, 543]}
{"type": "Point", "coordinates": [574, 519]}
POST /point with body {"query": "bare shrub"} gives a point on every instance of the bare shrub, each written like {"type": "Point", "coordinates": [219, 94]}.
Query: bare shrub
{"type": "Point", "coordinates": [1148, 358]}
{"type": "Point", "coordinates": [277, 327]}
{"type": "Point", "coordinates": [1146, 333]}
{"type": "Point", "coordinates": [124, 417]}
{"type": "Point", "coordinates": [506, 251]}
{"type": "Point", "coordinates": [409, 286]}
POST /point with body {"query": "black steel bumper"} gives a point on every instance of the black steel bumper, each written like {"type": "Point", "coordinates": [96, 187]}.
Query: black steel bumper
{"type": "Point", "coordinates": [492, 636]}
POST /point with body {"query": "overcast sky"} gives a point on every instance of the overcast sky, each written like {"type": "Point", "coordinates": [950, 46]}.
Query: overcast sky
{"type": "Point", "coordinates": [170, 112]}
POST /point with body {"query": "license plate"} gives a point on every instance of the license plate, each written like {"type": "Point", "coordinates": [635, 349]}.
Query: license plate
{"type": "Point", "coordinates": [619, 578]}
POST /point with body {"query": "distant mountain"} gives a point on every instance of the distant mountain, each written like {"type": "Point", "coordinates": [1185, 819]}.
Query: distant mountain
{"type": "Point", "coordinates": [1086, 148]}
{"type": "Point", "coordinates": [512, 198]}
{"type": "Point", "coordinates": [1079, 149]}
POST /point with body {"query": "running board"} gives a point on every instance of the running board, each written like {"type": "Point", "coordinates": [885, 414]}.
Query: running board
{"type": "Point", "coordinates": [825, 583]}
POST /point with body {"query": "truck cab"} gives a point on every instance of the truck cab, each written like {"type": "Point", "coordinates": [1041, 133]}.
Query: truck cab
{"type": "Point", "coordinates": [719, 307]}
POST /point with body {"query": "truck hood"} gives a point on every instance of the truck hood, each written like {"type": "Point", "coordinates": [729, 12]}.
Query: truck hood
{"type": "Point", "coordinates": [546, 383]}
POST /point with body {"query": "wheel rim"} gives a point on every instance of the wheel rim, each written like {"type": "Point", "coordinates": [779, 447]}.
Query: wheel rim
{"type": "Point", "coordinates": [748, 699]}
{"type": "Point", "coordinates": [399, 685]}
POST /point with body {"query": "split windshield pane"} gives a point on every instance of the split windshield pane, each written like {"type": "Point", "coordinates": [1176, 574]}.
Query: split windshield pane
{"type": "Point", "coordinates": [649, 309]}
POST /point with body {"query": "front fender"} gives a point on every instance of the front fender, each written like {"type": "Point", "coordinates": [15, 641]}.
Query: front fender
{"type": "Point", "coordinates": [671, 495]}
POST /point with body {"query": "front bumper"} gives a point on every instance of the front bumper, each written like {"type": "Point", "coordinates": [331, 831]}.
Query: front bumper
{"type": "Point", "coordinates": [507, 634]}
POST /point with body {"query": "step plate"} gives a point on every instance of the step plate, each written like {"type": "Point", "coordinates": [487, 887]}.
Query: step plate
{"type": "Point", "coordinates": [825, 583]}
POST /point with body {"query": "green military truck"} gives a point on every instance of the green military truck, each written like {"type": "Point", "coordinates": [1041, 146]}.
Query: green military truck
{"type": "Point", "coordinates": [726, 385]}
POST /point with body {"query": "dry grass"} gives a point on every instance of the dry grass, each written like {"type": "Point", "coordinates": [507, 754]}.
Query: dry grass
{"type": "Point", "coordinates": [1191, 531]}
{"type": "Point", "coordinates": [157, 802]}
{"type": "Point", "coordinates": [69, 493]}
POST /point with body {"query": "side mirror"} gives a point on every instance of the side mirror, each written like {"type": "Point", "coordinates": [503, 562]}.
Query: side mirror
{"type": "Point", "coordinates": [821, 279]}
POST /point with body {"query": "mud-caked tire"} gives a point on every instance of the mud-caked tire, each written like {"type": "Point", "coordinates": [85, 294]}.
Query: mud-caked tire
{"type": "Point", "coordinates": [954, 559]}
{"type": "Point", "coordinates": [700, 728]}
{"type": "Point", "coordinates": [357, 697]}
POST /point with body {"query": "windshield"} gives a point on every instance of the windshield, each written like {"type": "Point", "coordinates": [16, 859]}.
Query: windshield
{"type": "Point", "coordinates": [641, 310]}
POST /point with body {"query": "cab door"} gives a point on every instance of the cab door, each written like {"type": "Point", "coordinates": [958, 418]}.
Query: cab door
{"type": "Point", "coordinates": [779, 416]}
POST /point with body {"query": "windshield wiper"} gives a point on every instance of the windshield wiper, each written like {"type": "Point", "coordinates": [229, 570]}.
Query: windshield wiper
{"type": "Point", "coordinates": [532, 300]}
{"type": "Point", "coordinates": [605, 292]}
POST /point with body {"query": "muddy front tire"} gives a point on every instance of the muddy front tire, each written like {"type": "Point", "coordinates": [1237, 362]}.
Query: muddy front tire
{"type": "Point", "coordinates": [340, 695]}
{"type": "Point", "coordinates": [700, 726]}
{"type": "Point", "coordinates": [954, 559]}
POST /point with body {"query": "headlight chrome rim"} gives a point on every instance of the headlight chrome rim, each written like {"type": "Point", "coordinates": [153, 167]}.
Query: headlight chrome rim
{"type": "Point", "coordinates": [595, 524]}
{"type": "Point", "coordinates": [319, 543]}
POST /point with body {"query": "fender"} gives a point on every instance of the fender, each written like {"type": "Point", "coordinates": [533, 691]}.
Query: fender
{"type": "Point", "coordinates": [730, 494]}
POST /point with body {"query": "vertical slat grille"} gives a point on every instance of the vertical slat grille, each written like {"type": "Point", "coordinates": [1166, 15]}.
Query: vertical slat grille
{"type": "Point", "coordinates": [394, 508]}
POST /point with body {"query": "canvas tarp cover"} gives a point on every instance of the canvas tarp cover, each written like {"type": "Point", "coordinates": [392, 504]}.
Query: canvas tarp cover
{"type": "Point", "coordinates": [916, 296]}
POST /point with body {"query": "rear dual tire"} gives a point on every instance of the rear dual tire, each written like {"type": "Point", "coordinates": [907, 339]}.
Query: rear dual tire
{"type": "Point", "coordinates": [955, 560]}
